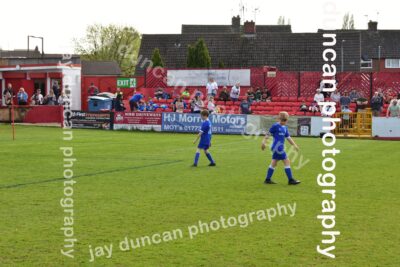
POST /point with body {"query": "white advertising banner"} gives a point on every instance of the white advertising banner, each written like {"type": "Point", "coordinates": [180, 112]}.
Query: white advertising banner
{"type": "Point", "coordinates": [385, 127]}
{"type": "Point", "coordinates": [200, 77]}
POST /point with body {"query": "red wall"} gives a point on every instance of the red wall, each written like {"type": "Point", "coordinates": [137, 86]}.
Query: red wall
{"type": "Point", "coordinates": [105, 84]}
{"type": "Point", "coordinates": [380, 66]}
{"type": "Point", "coordinates": [44, 114]}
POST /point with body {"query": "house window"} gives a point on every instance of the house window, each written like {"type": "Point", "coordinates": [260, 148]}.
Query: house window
{"type": "Point", "coordinates": [392, 63]}
{"type": "Point", "coordinates": [366, 64]}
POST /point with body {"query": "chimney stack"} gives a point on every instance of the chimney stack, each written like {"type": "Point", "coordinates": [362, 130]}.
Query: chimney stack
{"type": "Point", "coordinates": [372, 25]}
{"type": "Point", "coordinates": [236, 23]}
{"type": "Point", "coordinates": [249, 27]}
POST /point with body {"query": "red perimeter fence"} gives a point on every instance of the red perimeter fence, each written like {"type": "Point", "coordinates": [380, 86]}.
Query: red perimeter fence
{"type": "Point", "coordinates": [303, 83]}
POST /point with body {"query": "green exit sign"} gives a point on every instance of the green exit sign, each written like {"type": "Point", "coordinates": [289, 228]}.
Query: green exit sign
{"type": "Point", "coordinates": [126, 82]}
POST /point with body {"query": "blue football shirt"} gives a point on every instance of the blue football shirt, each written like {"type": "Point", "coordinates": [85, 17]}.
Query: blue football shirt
{"type": "Point", "coordinates": [206, 134]}
{"type": "Point", "coordinates": [279, 133]}
{"type": "Point", "coordinates": [136, 97]}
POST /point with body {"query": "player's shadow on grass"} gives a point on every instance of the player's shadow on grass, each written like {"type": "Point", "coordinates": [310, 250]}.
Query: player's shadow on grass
{"type": "Point", "coordinates": [90, 174]}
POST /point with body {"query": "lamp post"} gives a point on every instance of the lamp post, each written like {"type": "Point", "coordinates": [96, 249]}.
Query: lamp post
{"type": "Point", "coordinates": [36, 37]}
{"type": "Point", "coordinates": [341, 53]}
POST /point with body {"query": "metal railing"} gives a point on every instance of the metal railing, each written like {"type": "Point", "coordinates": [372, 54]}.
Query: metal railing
{"type": "Point", "coordinates": [356, 124]}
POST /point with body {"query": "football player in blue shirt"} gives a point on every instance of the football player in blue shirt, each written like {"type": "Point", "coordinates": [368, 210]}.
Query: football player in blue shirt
{"type": "Point", "coordinates": [279, 132]}
{"type": "Point", "coordinates": [205, 139]}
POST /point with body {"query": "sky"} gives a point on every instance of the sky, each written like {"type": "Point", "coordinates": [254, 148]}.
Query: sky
{"type": "Point", "coordinates": [60, 21]}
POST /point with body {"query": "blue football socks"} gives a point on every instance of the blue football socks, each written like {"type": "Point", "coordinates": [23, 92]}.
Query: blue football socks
{"type": "Point", "coordinates": [196, 158]}
{"type": "Point", "coordinates": [288, 173]}
{"type": "Point", "coordinates": [210, 158]}
{"type": "Point", "coordinates": [270, 172]}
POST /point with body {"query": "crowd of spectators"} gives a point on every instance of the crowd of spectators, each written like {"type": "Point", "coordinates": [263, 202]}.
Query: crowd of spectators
{"type": "Point", "coordinates": [55, 96]}
{"type": "Point", "coordinates": [344, 100]}
{"type": "Point", "coordinates": [197, 102]}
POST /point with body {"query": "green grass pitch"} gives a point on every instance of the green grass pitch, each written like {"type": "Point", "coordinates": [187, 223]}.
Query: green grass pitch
{"type": "Point", "coordinates": [135, 184]}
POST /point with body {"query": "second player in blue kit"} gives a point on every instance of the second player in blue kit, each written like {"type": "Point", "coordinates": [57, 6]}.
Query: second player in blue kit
{"type": "Point", "coordinates": [279, 132]}
{"type": "Point", "coordinates": [205, 135]}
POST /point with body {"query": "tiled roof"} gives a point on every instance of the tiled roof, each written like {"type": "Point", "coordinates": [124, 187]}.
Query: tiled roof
{"type": "Point", "coordinates": [100, 68]}
{"type": "Point", "coordinates": [389, 40]}
{"type": "Point", "coordinates": [287, 51]}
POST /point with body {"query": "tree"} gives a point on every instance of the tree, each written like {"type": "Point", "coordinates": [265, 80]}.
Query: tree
{"type": "Point", "coordinates": [117, 43]}
{"type": "Point", "coordinates": [191, 57]}
{"type": "Point", "coordinates": [348, 22]}
{"type": "Point", "coordinates": [203, 58]}
{"type": "Point", "coordinates": [157, 59]}
{"type": "Point", "coordinates": [198, 55]}
{"type": "Point", "coordinates": [221, 64]}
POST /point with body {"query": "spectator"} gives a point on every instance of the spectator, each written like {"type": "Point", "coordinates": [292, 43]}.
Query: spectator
{"type": "Point", "coordinates": [134, 101]}
{"type": "Point", "coordinates": [224, 95]}
{"type": "Point", "coordinates": [245, 107]}
{"type": "Point", "coordinates": [197, 104]}
{"type": "Point", "coordinates": [250, 95]}
{"type": "Point", "coordinates": [93, 90]}
{"type": "Point", "coordinates": [159, 93]}
{"type": "Point", "coordinates": [211, 105]}
{"type": "Point", "coordinates": [119, 93]}
{"type": "Point", "coordinates": [150, 105]}
{"type": "Point", "coordinates": [62, 99]}
{"type": "Point", "coordinates": [319, 97]}
{"type": "Point", "coordinates": [22, 97]}
{"type": "Point", "coordinates": [212, 87]}
{"type": "Point", "coordinates": [323, 85]}
{"type": "Point", "coordinates": [235, 92]}
{"type": "Point", "coordinates": [179, 105]}
{"type": "Point", "coordinates": [335, 96]}
{"type": "Point", "coordinates": [186, 94]}
{"type": "Point", "coordinates": [50, 99]}
{"type": "Point", "coordinates": [382, 96]}
{"type": "Point", "coordinates": [8, 94]}
{"type": "Point", "coordinates": [258, 94]}
{"type": "Point", "coordinates": [266, 95]}
{"type": "Point", "coordinates": [303, 107]}
{"type": "Point", "coordinates": [118, 101]}
{"type": "Point", "coordinates": [314, 107]}
{"type": "Point", "coordinates": [393, 110]}
{"type": "Point", "coordinates": [141, 106]}
{"type": "Point", "coordinates": [362, 104]}
{"type": "Point", "coordinates": [199, 93]}
{"type": "Point", "coordinates": [354, 95]}
{"type": "Point", "coordinates": [166, 95]}
{"type": "Point", "coordinates": [344, 100]}
{"type": "Point", "coordinates": [56, 89]}
{"type": "Point", "coordinates": [390, 95]}
{"type": "Point", "coordinates": [37, 98]}
{"type": "Point", "coordinates": [376, 104]}
{"type": "Point", "coordinates": [346, 119]}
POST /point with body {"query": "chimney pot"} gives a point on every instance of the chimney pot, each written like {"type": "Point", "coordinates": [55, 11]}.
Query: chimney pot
{"type": "Point", "coordinates": [249, 27]}
{"type": "Point", "coordinates": [372, 25]}
{"type": "Point", "coordinates": [236, 23]}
